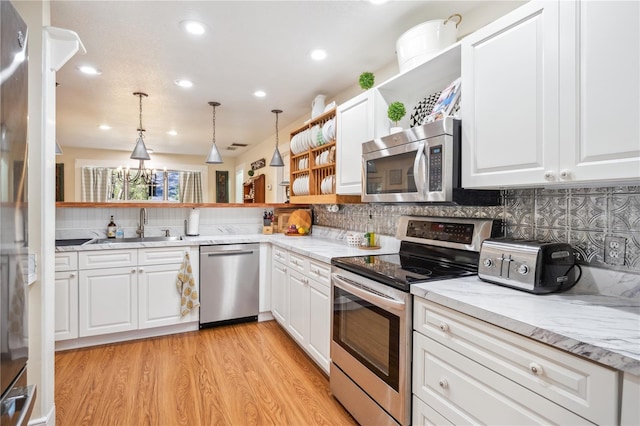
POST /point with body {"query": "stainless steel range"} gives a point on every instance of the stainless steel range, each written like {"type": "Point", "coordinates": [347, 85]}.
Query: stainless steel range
{"type": "Point", "coordinates": [372, 312]}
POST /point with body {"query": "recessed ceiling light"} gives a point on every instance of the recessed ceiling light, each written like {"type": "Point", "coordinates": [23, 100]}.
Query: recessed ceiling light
{"type": "Point", "coordinates": [259, 94]}
{"type": "Point", "coordinates": [193, 27]}
{"type": "Point", "coordinates": [183, 83]}
{"type": "Point", "coordinates": [318, 54]}
{"type": "Point", "coordinates": [172, 132]}
{"type": "Point", "coordinates": [86, 69]}
{"type": "Point", "coordinates": [105, 127]}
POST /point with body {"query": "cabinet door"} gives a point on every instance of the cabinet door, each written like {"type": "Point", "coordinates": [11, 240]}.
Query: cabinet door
{"type": "Point", "coordinates": [601, 87]}
{"type": "Point", "coordinates": [108, 301]}
{"type": "Point", "coordinates": [66, 305]}
{"type": "Point", "coordinates": [510, 89]}
{"type": "Point", "coordinates": [298, 324]}
{"type": "Point", "coordinates": [160, 298]}
{"type": "Point", "coordinates": [319, 323]}
{"type": "Point", "coordinates": [279, 292]}
{"type": "Point", "coordinates": [355, 121]}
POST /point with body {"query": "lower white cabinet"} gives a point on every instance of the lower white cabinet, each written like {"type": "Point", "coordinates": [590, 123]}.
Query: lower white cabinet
{"type": "Point", "coordinates": [469, 371]}
{"type": "Point", "coordinates": [279, 289]}
{"type": "Point", "coordinates": [301, 302]}
{"type": "Point", "coordinates": [108, 300]}
{"type": "Point", "coordinates": [66, 305]}
{"type": "Point", "coordinates": [113, 291]}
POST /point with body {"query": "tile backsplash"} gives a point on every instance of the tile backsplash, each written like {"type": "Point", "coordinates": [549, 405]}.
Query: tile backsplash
{"type": "Point", "coordinates": [581, 217]}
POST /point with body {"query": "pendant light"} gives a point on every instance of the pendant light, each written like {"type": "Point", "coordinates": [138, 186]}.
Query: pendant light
{"type": "Point", "coordinates": [276, 160]}
{"type": "Point", "coordinates": [58, 149]}
{"type": "Point", "coordinates": [214, 155]}
{"type": "Point", "coordinates": [140, 151]}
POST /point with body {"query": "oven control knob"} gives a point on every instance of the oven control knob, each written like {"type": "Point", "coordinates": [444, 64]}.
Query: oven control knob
{"type": "Point", "coordinates": [488, 263]}
{"type": "Point", "coordinates": [523, 269]}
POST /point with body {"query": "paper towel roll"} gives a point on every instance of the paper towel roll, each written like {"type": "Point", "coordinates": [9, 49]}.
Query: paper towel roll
{"type": "Point", "coordinates": [194, 222]}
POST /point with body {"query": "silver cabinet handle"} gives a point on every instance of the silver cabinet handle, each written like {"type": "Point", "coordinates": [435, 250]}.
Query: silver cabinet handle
{"type": "Point", "coordinates": [134, 270]}
{"type": "Point", "coordinates": [444, 327]}
{"type": "Point", "coordinates": [443, 383]}
{"type": "Point", "coordinates": [141, 270]}
{"type": "Point", "coordinates": [549, 176]}
{"type": "Point", "coordinates": [229, 252]}
{"type": "Point", "coordinates": [72, 275]}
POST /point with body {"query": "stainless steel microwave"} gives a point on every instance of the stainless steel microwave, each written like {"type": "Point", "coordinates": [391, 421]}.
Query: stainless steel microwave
{"type": "Point", "coordinates": [421, 164]}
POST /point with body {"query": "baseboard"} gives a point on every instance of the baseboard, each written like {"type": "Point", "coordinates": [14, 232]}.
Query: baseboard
{"type": "Point", "coordinates": [48, 420]}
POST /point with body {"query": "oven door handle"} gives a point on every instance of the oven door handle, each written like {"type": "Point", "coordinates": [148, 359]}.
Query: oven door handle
{"type": "Point", "coordinates": [420, 178]}
{"type": "Point", "coordinates": [370, 297]}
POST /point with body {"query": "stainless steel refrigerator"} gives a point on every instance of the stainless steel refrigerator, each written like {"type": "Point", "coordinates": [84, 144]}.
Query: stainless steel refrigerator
{"type": "Point", "coordinates": [17, 398]}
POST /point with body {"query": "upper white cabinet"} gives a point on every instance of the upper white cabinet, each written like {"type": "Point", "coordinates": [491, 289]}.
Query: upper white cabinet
{"type": "Point", "coordinates": [356, 123]}
{"type": "Point", "coordinates": [550, 96]}
{"type": "Point", "coordinates": [600, 90]}
{"type": "Point", "coordinates": [510, 99]}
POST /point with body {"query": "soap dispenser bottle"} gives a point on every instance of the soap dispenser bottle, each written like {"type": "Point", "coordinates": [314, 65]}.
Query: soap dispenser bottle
{"type": "Point", "coordinates": [111, 228]}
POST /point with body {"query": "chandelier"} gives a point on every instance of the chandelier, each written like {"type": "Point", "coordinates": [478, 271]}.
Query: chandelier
{"type": "Point", "coordinates": [276, 160]}
{"type": "Point", "coordinates": [142, 174]}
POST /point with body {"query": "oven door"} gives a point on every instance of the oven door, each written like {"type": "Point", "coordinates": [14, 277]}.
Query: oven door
{"type": "Point", "coordinates": [371, 340]}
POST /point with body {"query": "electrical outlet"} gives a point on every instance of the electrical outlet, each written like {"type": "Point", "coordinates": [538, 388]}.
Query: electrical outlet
{"type": "Point", "coordinates": [614, 250]}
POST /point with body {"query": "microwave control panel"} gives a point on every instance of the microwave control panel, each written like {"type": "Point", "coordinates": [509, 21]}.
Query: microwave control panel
{"type": "Point", "coordinates": [435, 168]}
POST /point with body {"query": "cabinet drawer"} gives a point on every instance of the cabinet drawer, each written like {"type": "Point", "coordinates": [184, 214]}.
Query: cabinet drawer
{"type": "Point", "coordinates": [465, 392]}
{"type": "Point", "coordinates": [280, 255]}
{"type": "Point", "coordinates": [66, 261]}
{"type": "Point", "coordinates": [423, 415]}
{"type": "Point", "coordinates": [297, 263]}
{"type": "Point", "coordinates": [161, 255]}
{"type": "Point", "coordinates": [583, 387]}
{"type": "Point", "coordinates": [108, 258]}
{"type": "Point", "coordinates": [321, 272]}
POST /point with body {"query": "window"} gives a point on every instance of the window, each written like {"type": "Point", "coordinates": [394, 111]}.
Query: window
{"type": "Point", "coordinates": [101, 184]}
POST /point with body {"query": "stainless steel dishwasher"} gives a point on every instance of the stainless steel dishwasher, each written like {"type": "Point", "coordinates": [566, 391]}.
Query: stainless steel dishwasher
{"type": "Point", "coordinates": [229, 283]}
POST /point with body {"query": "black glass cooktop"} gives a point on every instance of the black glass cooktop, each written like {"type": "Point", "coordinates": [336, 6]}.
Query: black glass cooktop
{"type": "Point", "coordinates": [406, 268]}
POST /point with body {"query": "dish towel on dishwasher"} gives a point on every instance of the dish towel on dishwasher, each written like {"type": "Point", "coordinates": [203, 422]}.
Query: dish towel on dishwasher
{"type": "Point", "coordinates": [187, 287]}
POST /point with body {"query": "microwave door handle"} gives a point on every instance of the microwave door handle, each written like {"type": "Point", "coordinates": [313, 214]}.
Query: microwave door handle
{"type": "Point", "coordinates": [420, 178]}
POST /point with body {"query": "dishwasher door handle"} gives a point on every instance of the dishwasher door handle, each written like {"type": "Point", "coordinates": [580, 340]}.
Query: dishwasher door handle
{"type": "Point", "coordinates": [229, 252]}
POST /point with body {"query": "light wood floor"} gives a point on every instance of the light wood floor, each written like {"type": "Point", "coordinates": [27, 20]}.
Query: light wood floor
{"type": "Point", "coordinates": [247, 374]}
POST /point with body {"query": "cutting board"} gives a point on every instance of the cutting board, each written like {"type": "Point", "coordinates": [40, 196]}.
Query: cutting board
{"type": "Point", "coordinates": [300, 218]}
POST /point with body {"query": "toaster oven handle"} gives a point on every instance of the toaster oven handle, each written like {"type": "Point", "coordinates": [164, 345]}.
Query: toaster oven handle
{"type": "Point", "coordinates": [420, 178]}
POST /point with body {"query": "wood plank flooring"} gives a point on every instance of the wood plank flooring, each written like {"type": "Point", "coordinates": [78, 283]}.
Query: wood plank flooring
{"type": "Point", "coordinates": [245, 374]}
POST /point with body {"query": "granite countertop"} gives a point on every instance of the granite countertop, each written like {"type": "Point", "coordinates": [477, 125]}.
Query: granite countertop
{"type": "Point", "coordinates": [604, 329]}
{"type": "Point", "coordinates": [315, 247]}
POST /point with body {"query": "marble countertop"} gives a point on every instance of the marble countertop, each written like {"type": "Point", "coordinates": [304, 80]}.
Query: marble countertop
{"type": "Point", "coordinates": [604, 329]}
{"type": "Point", "coordinates": [315, 247]}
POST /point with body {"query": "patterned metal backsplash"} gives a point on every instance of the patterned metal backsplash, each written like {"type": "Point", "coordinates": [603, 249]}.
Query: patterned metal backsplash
{"type": "Point", "coordinates": [581, 217]}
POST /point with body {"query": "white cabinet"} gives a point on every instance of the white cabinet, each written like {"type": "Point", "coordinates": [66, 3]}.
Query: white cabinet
{"type": "Point", "coordinates": [108, 300]}
{"type": "Point", "coordinates": [510, 99]}
{"type": "Point", "coordinates": [279, 287]}
{"type": "Point", "coordinates": [550, 96]}
{"type": "Point", "coordinates": [66, 296]}
{"type": "Point", "coordinates": [113, 291]}
{"type": "Point", "coordinates": [630, 415]}
{"type": "Point", "coordinates": [159, 298]}
{"type": "Point", "coordinates": [600, 90]}
{"type": "Point", "coordinates": [301, 290]}
{"type": "Point", "coordinates": [358, 121]}
{"type": "Point", "coordinates": [470, 371]}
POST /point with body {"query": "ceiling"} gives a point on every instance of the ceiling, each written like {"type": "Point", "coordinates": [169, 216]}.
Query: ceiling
{"type": "Point", "coordinates": [248, 46]}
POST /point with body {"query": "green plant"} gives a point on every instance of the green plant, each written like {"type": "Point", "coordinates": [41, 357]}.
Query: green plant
{"type": "Point", "coordinates": [366, 80]}
{"type": "Point", "coordinates": [396, 111]}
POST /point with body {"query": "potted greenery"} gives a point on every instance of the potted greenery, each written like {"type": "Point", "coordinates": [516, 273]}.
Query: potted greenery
{"type": "Point", "coordinates": [366, 80]}
{"type": "Point", "coordinates": [395, 113]}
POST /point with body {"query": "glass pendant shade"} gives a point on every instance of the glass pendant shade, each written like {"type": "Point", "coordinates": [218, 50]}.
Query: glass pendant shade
{"type": "Point", "coordinates": [214, 156]}
{"type": "Point", "coordinates": [276, 160]}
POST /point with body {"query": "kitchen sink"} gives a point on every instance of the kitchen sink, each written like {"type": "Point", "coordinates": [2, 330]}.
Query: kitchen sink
{"type": "Point", "coordinates": [135, 240]}
{"type": "Point", "coordinates": [73, 242]}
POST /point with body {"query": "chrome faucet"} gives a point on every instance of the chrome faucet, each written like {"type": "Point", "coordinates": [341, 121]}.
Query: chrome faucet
{"type": "Point", "coordinates": [143, 221]}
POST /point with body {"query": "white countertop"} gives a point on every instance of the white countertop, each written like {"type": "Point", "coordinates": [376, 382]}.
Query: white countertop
{"type": "Point", "coordinates": [315, 247]}
{"type": "Point", "coordinates": [604, 329]}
